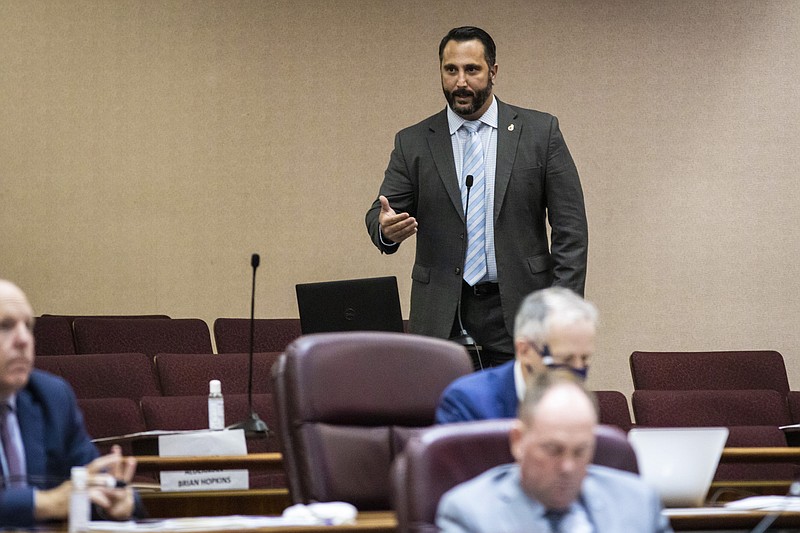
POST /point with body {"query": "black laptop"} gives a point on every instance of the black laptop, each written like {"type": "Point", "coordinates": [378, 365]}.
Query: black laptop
{"type": "Point", "coordinates": [369, 304]}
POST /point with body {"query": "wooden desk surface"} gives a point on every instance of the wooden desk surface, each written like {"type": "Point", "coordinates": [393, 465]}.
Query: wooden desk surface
{"type": "Point", "coordinates": [778, 454]}
{"type": "Point", "coordinates": [366, 522]}
{"type": "Point", "coordinates": [154, 463]}
{"type": "Point", "coordinates": [151, 463]}
{"type": "Point", "coordinates": [715, 520]}
{"type": "Point", "coordinates": [274, 501]}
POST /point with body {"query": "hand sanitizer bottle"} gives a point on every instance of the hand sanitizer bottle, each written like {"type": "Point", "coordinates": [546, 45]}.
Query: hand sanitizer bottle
{"type": "Point", "coordinates": [80, 510]}
{"type": "Point", "coordinates": [216, 405]}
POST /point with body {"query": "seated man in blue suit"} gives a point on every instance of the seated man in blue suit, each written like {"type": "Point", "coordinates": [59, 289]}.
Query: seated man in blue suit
{"type": "Point", "coordinates": [554, 327]}
{"type": "Point", "coordinates": [42, 434]}
{"type": "Point", "coordinates": [551, 487]}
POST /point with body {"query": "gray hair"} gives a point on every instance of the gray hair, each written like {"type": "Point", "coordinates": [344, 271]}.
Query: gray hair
{"type": "Point", "coordinates": [554, 305]}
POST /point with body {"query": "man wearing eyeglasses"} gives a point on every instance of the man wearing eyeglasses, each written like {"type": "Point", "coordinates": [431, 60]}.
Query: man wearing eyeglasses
{"type": "Point", "coordinates": [554, 328]}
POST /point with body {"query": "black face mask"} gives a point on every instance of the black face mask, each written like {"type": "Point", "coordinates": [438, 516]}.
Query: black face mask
{"type": "Point", "coordinates": [579, 373]}
{"type": "Point", "coordinates": [549, 362]}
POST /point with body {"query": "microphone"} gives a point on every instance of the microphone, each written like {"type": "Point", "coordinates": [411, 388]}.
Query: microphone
{"type": "Point", "coordinates": [254, 424]}
{"type": "Point", "coordinates": [463, 338]}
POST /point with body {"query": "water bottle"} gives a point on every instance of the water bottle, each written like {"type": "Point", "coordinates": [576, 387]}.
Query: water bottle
{"type": "Point", "coordinates": [216, 405]}
{"type": "Point", "coordinates": [80, 510]}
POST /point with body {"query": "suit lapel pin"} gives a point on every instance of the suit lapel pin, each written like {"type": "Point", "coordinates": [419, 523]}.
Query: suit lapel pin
{"type": "Point", "coordinates": [510, 127]}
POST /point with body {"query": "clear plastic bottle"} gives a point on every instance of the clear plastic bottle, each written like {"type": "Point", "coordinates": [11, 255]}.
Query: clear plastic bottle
{"type": "Point", "coordinates": [80, 510]}
{"type": "Point", "coordinates": [216, 405]}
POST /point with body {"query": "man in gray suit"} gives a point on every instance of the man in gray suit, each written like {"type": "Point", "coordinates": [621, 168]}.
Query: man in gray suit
{"type": "Point", "coordinates": [510, 170]}
{"type": "Point", "coordinates": [552, 487]}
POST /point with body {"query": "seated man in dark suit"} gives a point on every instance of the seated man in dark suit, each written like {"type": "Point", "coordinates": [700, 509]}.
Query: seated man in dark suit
{"type": "Point", "coordinates": [42, 434]}
{"type": "Point", "coordinates": [554, 327]}
{"type": "Point", "coordinates": [551, 487]}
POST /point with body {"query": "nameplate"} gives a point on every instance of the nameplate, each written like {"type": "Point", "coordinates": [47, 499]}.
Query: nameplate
{"type": "Point", "coordinates": [190, 480]}
{"type": "Point", "coordinates": [203, 443]}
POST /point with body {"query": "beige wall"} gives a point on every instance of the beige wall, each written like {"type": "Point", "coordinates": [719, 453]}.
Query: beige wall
{"type": "Point", "coordinates": [147, 148]}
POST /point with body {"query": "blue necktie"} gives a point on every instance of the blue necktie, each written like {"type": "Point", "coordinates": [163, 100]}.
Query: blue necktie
{"type": "Point", "coordinates": [15, 474]}
{"type": "Point", "coordinates": [475, 262]}
{"type": "Point", "coordinates": [554, 518]}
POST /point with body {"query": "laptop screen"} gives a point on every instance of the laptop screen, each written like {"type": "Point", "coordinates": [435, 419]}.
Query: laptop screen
{"type": "Point", "coordinates": [368, 304]}
{"type": "Point", "coordinates": [678, 462]}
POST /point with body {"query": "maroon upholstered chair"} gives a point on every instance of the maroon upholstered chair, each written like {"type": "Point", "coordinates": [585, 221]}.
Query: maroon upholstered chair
{"type": "Point", "coordinates": [752, 416]}
{"type": "Point", "coordinates": [191, 412]}
{"type": "Point", "coordinates": [111, 417]}
{"type": "Point", "coordinates": [439, 458]}
{"type": "Point", "coordinates": [108, 375]}
{"type": "Point", "coordinates": [72, 318]}
{"type": "Point", "coordinates": [347, 401]}
{"type": "Point", "coordinates": [188, 374]}
{"type": "Point", "coordinates": [725, 370]}
{"type": "Point", "coordinates": [793, 397]}
{"type": "Point", "coordinates": [53, 336]}
{"type": "Point", "coordinates": [614, 409]}
{"type": "Point", "coordinates": [145, 335]}
{"type": "Point", "coordinates": [232, 335]}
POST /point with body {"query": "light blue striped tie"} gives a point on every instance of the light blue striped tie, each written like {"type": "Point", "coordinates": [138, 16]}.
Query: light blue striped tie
{"type": "Point", "coordinates": [475, 262]}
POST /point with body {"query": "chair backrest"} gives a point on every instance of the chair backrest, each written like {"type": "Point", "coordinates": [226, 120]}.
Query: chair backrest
{"type": "Point", "coordinates": [191, 412]}
{"type": "Point", "coordinates": [698, 408]}
{"type": "Point", "coordinates": [232, 335]}
{"type": "Point", "coordinates": [752, 417]}
{"type": "Point", "coordinates": [793, 398]}
{"type": "Point", "coordinates": [182, 374]}
{"type": "Point", "coordinates": [346, 402]}
{"type": "Point", "coordinates": [108, 375]}
{"type": "Point", "coordinates": [53, 336]}
{"type": "Point", "coordinates": [145, 335]}
{"type": "Point", "coordinates": [111, 417]}
{"type": "Point", "coordinates": [614, 409]}
{"type": "Point", "coordinates": [440, 458]}
{"type": "Point", "coordinates": [722, 370]}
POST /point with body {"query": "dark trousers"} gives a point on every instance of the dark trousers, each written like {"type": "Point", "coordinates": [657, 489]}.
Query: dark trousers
{"type": "Point", "coordinates": [482, 317]}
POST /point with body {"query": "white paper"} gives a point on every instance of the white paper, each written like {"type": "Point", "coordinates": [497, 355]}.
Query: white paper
{"type": "Point", "coordinates": [766, 503]}
{"type": "Point", "coordinates": [203, 443]}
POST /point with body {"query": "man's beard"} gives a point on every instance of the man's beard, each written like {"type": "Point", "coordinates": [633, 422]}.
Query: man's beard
{"type": "Point", "coordinates": [479, 98]}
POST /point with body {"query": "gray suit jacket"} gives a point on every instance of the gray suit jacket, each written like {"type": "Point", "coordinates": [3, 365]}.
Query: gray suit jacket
{"type": "Point", "coordinates": [535, 179]}
{"type": "Point", "coordinates": [616, 502]}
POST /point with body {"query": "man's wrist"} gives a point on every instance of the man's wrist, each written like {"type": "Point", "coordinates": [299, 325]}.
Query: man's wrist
{"type": "Point", "coordinates": [385, 241]}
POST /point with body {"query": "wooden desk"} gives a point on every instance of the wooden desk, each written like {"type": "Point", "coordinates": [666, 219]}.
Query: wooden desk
{"type": "Point", "coordinates": [274, 501]}
{"type": "Point", "coordinates": [257, 502]}
{"type": "Point", "coordinates": [155, 463]}
{"type": "Point", "coordinates": [214, 503]}
{"type": "Point", "coordinates": [366, 522]}
{"type": "Point", "coordinates": [713, 520]}
{"type": "Point", "coordinates": [761, 455]}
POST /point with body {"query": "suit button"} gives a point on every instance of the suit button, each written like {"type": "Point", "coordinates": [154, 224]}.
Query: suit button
{"type": "Point", "coordinates": [458, 271]}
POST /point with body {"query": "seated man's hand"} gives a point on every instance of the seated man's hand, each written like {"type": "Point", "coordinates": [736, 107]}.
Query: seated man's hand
{"type": "Point", "coordinates": [115, 503]}
{"type": "Point", "coordinates": [52, 504]}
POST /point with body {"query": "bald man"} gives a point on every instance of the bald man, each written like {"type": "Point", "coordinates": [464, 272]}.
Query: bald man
{"type": "Point", "coordinates": [44, 434]}
{"type": "Point", "coordinates": [551, 486]}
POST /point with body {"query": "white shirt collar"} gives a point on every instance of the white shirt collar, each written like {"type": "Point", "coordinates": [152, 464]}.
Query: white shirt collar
{"type": "Point", "coordinates": [519, 380]}
{"type": "Point", "coordinates": [10, 400]}
{"type": "Point", "coordinates": [489, 117]}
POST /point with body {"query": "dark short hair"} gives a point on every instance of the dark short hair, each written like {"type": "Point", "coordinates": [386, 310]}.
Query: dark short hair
{"type": "Point", "coordinates": [469, 33]}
